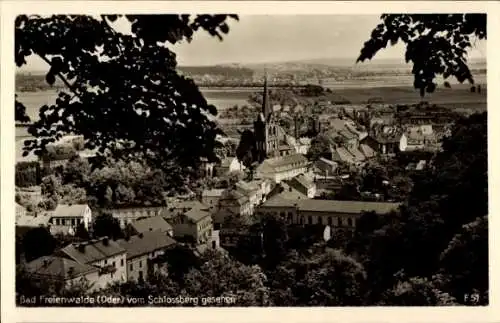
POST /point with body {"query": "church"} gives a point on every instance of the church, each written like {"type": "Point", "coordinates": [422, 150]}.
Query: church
{"type": "Point", "coordinates": [278, 159]}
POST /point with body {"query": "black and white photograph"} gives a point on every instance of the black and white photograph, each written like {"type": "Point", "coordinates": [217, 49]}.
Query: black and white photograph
{"type": "Point", "coordinates": [167, 159]}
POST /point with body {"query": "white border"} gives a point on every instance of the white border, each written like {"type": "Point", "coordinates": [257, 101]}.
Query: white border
{"type": "Point", "coordinates": [9, 9]}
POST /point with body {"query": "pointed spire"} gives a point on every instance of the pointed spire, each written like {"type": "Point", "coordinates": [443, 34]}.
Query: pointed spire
{"type": "Point", "coordinates": [266, 109]}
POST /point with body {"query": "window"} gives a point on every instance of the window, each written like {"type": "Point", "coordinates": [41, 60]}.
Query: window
{"type": "Point", "coordinates": [73, 221]}
{"type": "Point", "coordinates": [121, 262]}
{"type": "Point", "coordinates": [140, 264]}
{"type": "Point", "coordinates": [349, 222]}
{"type": "Point", "coordinates": [282, 214]}
{"type": "Point", "coordinates": [114, 265]}
{"type": "Point", "coordinates": [58, 222]}
{"type": "Point", "coordinates": [131, 267]}
{"type": "Point", "coordinates": [320, 220]}
{"type": "Point", "coordinates": [329, 220]}
{"type": "Point", "coordinates": [105, 261]}
{"type": "Point", "coordinates": [309, 219]}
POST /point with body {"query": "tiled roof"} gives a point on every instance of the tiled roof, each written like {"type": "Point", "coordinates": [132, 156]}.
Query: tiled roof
{"type": "Point", "coordinates": [217, 192]}
{"type": "Point", "coordinates": [33, 221]}
{"type": "Point", "coordinates": [343, 155]}
{"type": "Point", "coordinates": [93, 250]}
{"type": "Point", "coordinates": [196, 215]}
{"type": "Point", "coordinates": [55, 267]}
{"type": "Point", "coordinates": [64, 210]}
{"type": "Point", "coordinates": [366, 150]}
{"type": "Point", "coordinates": [346, 206]}
{"type": "Point", "coordinates": [354, 207]}
{"type": "Point", "coordinates": [358, 155]}
{"type": "Point", "coordinates": [285, 161]}
{"type": "Point", "coordinates": [327, 161]}
{"type": "Point", "coordinates": [139, 245]}
{"type": "Point", "coordinates": [304, 181]}
{"type": "Point", "coordinates": [154, 223]}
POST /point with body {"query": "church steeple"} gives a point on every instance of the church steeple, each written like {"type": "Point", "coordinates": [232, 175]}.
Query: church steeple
{"type": "Point", "coordinates": [266, 107]}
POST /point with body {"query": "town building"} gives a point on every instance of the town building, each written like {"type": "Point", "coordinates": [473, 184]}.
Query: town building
{"type": "Point", "coordinates": [65, 218]}
{"type": "Point", "coordinates": [337, 214]}
{"type": "Point", "coordinates": [105, 254]}
{"type": "Point", "coordinates": [143, 251]}
{"type": "Point", "coordinates": [326, 167]}
{"type": "Point", "coordinates": [128, 215]}
{"type": "Point", "coordinates": [228, 165]}
{"type": "Point", "coordinates": [241, 237]}
{"type": "Point", "coordinates": [386, 140]}
{"type": "Point", "coordinates": [212, 197]}
{"type": "Point", "coordinates": [304, 184]}
{"type": "Point", "coordinates": [191, 220]}
{"type": "Point", "coordinates": [63, 271]}
{"type": "Point", "coordinates": [283, 168]}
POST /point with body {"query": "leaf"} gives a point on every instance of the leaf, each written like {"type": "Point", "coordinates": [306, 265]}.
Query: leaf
{"type": "Point", "coordinates": [50, 78]}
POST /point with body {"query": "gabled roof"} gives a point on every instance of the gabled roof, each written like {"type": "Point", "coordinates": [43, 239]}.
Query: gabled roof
{"type": "Point", "coordinates": [55, 267]}
{"type": "Point", "coordinates": [64, 210]}
{"type": "Point", "coordinates": [285, 161]}
{"type": "Point", "coordinates": [93, 250]}
{"type": "Point", "coordinates": [145, 243]}
{"type": "Point", "coordinates": [367, 150]}
{"type": "Point", "coordinates": [196, 215]}
{"type": "Point", "coordinates": [154, 223]}
{"type": "Point", "coordinates": [343, 155]}
{"type": "Point", "coordinates": [327, 161]}
{"type": "Point", "coordinates": [304, 181]}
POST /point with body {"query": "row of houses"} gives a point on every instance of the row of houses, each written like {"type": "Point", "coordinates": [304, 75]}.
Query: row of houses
{"type": "Point", "coordinates": [101, 262]}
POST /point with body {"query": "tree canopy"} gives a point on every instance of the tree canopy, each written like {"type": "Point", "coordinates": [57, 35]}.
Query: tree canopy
{"type": "Point", "coordinates": [436, 44]}
{"type": "Point", "coordinates": [123, 92]}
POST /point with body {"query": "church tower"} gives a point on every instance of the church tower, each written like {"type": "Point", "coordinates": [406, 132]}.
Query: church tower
{"type": "Point", "coordinates": [265, 129]}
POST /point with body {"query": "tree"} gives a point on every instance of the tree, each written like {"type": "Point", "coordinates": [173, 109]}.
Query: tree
{"type": "Point", "coordinates": [38, 242]}
{"type": "Point", "coordinates": [129, 80]}
{"type": "Point", "coordinates": [107, 226]}
{"type": "Point", "coordinates": [50, 185]}
{"type": "Point", "coordinates": [81, 232]}
{"type": "Point", "coordinates": [417, 291]}
{"type": "Point", "coordinates": [465, 260]}
{"type": "Point", "coordinates": [275, 237]}
{"type": "Point", "coordinates": [320, 147]}
{"type": "Point", "coordinates": [221, 276]}
{"type": "Point", "coordinates": [77, 171]}
{"type": "Point", "coordinates": [436, 44]}
{"type": "Point", "coordinates": [246, 150]}
{"type": "Point", "coordinates": [333, 279]}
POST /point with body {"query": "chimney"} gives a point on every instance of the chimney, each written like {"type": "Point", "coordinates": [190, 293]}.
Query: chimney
{"type": "Point", "coordinates": [45, 262]}
{"type": "Point", "coordinates": [141, 235]}
{"type": "Point", "coordinates": [81, 248]}
{"type": "Point", "coordinates": [105, 241]}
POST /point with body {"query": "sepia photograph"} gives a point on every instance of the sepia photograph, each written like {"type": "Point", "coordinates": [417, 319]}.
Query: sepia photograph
{"type": "Point", "coordinates": [251, 160]}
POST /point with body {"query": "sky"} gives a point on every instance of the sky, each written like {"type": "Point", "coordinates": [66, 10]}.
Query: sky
{"type": "Point", "coordinates": [266, 38]}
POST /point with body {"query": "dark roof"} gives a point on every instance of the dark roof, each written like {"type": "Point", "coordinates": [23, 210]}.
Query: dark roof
{"type": "Point", "coordinates": [142, 244]}
{"type": "Point", "coordinates": [153, 223]}
{"type": "Point", "coordinates": [346, 206]}
{"type": "Point", "coordinates": [55, 267]}
{"type": "Point", "coordinates": [93, 250]}
{"type": "Point", "coordinates": [354, 207]}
